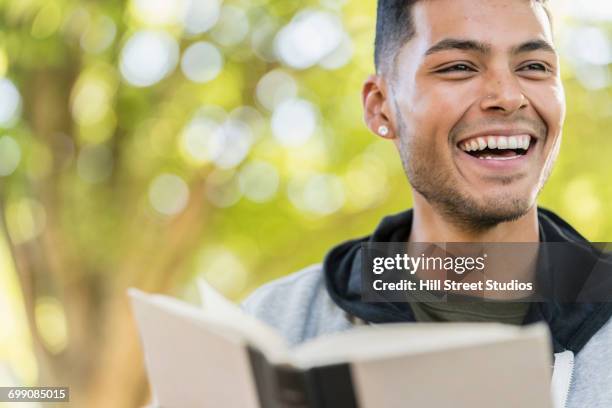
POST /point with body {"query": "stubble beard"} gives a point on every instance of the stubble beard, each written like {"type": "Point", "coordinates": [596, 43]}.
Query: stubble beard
{"type": "Point", "coordinates": [437, 186]}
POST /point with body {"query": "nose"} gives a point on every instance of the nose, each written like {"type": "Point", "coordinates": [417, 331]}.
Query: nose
{"type": "Point", "coordinates": [503, 93]}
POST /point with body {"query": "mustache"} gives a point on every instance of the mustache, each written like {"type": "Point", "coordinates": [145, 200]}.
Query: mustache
{"type": "Point", "coordinates": [536, 125]}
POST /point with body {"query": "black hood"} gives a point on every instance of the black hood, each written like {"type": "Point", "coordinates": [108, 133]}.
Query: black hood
{"type": "Point", "coordinates": [571, 324]}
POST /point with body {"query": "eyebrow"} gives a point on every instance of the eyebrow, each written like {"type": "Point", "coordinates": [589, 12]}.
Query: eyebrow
{"type": "Point", "coordinates": [533, 45]}
{"type": "Point", "coordinates": [459, 44]}
{"type": "Point", "coordinates": [484, 48]}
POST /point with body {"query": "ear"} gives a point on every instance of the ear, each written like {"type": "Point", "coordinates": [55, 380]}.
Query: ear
{"type": "Point", "coordinates": [376, 109]}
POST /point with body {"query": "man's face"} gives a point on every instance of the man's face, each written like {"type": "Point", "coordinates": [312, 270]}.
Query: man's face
{"type": "Point", "coordinates": [479, 105]}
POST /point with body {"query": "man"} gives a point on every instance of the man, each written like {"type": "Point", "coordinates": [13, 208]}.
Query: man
{"type": "Point", "coordinates": [470, 93]}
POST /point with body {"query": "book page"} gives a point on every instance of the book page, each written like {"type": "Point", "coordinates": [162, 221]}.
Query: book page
{"type": "Point", "coordinates": [214, 302]}
{"type": "Point", "coordinates": [193, 359]}
{"type": "Point", "coordinates": [388, 340]}
{"type": "Point", "coordinates": [501, 374]}
{"type": "Point", "coordinates": [229, 315]}
{"type": "Point", "coordinates": [186, 365]}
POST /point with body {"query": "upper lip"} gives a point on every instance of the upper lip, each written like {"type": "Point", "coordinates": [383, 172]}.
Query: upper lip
{"type": "Point", "coordinates": [498, 132]}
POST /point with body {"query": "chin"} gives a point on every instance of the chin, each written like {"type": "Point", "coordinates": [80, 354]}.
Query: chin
{"type": "Point", "coordinates": [476, 205]}
{"type": "Point", "coordinates": [494, 210]}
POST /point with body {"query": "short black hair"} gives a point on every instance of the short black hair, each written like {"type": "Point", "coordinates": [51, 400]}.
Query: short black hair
{"type": "Point", "coordinates": [395, 27]}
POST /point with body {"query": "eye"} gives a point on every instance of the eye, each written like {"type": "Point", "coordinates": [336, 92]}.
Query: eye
{"type": "Point", "coordinates": [535, 66]}
{"type": "Point", "coordinates": [457, 68]}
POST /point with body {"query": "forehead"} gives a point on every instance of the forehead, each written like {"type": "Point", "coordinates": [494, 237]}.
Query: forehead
{"type": "Point", "coordinates": [502, 23]}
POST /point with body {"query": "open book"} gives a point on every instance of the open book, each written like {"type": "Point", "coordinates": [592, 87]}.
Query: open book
{"type": "Point", "coordinates": [218, 356]}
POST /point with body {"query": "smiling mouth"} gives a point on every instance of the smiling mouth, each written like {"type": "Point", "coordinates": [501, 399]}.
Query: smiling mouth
{"type": "Point", "coordinates": [497, 147]}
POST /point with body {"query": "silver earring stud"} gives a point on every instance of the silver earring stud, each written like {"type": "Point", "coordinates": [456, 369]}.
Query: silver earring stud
{"type": "Point", "coordinates": [383, 130]}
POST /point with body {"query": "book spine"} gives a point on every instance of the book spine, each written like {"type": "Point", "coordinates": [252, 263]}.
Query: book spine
{"type": "Point", "coordinates": [284, 386]}
{"type": "Point", "coordinates": [264, 376]}
{"type": "Point", "coordinates": [332, 386]}
{"type": "Point", "coordinates": [293, 390]}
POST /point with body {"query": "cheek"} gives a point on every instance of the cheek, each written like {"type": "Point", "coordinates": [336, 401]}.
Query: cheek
{"type": "Point", "coordinates": [437, 109]}
{"type": "Point", "coordinates": [559, 95]}
{"type": "Point", "coordinates": [549, 103]}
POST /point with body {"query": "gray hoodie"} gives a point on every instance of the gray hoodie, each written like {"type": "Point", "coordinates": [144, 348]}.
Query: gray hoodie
{"type": "Point", "coordinates": [318, 300]}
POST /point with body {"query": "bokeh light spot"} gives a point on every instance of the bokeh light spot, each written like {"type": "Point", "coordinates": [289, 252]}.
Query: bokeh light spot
{"type": "Point", "coordinates": [99, 35]}
{"type": "Point", "coordinates": [259, 181]}
{"type": "Point", "coordinates": [201, 62]}
{"type": "Point", "coordinates": [148, 57]}
{"type": "Point", "coordinates": [294, 122]}
{"type": "Point", "coordinates": [320, 194]}
{"type": "Point", "coordinates": [231, 143]}
{"type": "Point", "coordinates": [196, 138]}
{"type": "Point", "coordinates": [159, 12]}
{"type": "Point", "coordinates": [26, 219]}
{"type": "Point", "coordinates": [593, 10]}
{"type": "Point", "coordinates": [10, 155]}
{"type": "Point", "coordinates": [275, 87]}
{"type": "Point", "coordinates": [10, 103]}
{"type": "Point", "coordinates": [222, 188]}
{"type": "Point", "coordinates": [168, 194]}
{"type": "Point", "coordinates": [91, 101]}
{"type": "Point", "coordinates": [51, 323]}
{"type": "Point", "coordinates": [310, 36]}
{"type": "Point", "coordinates": [593, 77]}
{"type": "Point", "coordinates": [251, 117]}
{"type": "Point", "coordinates": [4, 62]}
{"type": "Point", "coordinates": [262, 38]}
{"type": "Point", "coordinates": [340, 56]}
{"type": "Point", "coordinates": [589, 45]}
{"type": "Point", "coordinates": [201, 15]}
{"type": "Point", "coordinates": [47, 20]}
{"type": "Point", "coordinates": [232, 27]}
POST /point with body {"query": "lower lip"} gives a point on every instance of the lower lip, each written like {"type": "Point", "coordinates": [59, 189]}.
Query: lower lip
{"type": "Point", "coordinates": [506, 165]}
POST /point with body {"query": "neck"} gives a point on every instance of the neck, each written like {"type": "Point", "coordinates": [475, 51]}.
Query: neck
{"type": "Point", "coordinates": [429, 225]}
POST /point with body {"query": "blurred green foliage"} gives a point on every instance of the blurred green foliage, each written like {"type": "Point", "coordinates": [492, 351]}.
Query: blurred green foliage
{"type": "Point", "coordinates": [155, 141]}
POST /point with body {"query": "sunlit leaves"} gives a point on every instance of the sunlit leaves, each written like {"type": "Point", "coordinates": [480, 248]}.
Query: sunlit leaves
{"type": "Point", "coordinates": [10, 103]}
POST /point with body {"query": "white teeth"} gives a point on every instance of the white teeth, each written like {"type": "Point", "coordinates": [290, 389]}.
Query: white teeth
{"type": "Point", "coordinates": [500, 158]}
{"type": "Point", "coordinates": [492, 141]}
{"type": "Point", "coordinates": [526, 140]}
{"type": "Point", "coordinates": [482, 143]}
{"type": "Point", "coordinates": [496, 142]}
{"type": "Point", "coordinates": [512, 142]}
